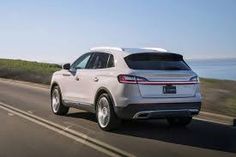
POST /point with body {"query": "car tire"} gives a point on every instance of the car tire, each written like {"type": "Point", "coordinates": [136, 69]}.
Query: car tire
{"type": "Point", "coordinates": [57, 106]}
{"type": "Point", "coordinates": [106, 117]}
{"type": "Point", "coordinates": [179, 121]}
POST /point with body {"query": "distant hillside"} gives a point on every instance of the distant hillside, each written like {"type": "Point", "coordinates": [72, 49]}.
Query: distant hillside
{"type": "Point", "coordinates": [27, 70]}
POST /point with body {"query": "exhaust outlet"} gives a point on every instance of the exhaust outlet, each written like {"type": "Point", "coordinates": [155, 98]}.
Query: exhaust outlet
{"type": "Point", "coordinates": [141, 115]}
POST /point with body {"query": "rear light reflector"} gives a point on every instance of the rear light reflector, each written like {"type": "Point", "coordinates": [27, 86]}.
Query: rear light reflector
{"type": "Point", "coordinates": [195, 78]}
{"type": "Point", "coordinates": [130, 79]}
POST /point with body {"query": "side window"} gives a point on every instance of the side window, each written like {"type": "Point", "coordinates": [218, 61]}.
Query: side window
{"type": "Point", "coordinates": [99, 61]}
{"type": "Point", "coordinates": [81, 62]}
{"type": "Point", "coordinates": [111, 61]}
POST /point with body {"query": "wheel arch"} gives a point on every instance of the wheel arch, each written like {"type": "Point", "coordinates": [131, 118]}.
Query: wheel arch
{"type": "Point", "coordinates": [100, 91]}
{"type": "Point", "coordinates": [52, 86]}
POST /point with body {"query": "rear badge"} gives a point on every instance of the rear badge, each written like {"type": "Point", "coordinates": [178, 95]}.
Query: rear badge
{"type": "Point", "coordinates": [169, 89]}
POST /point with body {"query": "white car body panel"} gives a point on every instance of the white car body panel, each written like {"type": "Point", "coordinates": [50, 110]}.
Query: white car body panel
{"type": "Point", "coordinates": [81, 87]}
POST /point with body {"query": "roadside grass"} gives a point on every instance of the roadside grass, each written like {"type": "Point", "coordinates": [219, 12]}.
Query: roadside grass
{"type": "Point", "coordinates": [27, 71]}
{"type": "Point", "coordinates": [219, 96]}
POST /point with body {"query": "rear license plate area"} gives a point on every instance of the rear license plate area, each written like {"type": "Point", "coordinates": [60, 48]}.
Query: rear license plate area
{"type": "Point", "coordinates": [169, 89]}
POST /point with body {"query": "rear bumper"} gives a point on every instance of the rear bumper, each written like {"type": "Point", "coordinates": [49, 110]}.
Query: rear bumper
{"type": "Point", "coordinates": [158, 110]}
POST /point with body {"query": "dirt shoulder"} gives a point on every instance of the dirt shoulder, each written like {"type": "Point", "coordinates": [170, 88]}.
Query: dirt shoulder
{"type": "Point", "coordinates": [219, 96]}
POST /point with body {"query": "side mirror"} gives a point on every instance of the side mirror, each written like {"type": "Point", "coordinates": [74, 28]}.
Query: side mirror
{"type": "Point", "coordinates": [66, 66]}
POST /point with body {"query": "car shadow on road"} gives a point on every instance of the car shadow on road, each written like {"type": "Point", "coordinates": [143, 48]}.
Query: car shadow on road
{"type": "Point", "coordinates": [199, 134]}
{"type": "Point", "coordinates": [83, 115]}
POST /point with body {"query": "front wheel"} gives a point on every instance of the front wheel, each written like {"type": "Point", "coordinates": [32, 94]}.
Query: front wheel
{"type": "Point", "coordinates": [57, 106]}
{"type": "Point", "coordinates": [106, 117]}
{"type": "Point", "coordinates": [179, 121]}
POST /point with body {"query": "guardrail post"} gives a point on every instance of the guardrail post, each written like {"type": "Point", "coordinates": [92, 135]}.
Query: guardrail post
{"type": "Point", "coordinates": [234, 123]}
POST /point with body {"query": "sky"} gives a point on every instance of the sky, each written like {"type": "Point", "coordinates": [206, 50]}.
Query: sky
{"type": "Point", "coordinates": [61, 30]}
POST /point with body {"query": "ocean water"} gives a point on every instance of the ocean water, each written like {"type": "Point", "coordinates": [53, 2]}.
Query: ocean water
{"type": "Point", "coordinates": [214, 68]}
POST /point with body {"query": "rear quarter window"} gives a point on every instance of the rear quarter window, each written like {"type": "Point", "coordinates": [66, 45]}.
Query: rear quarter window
{"type": "Point", "coordinates": [111, 62]}
{"type": "Point", "coordinates": [156, 61]}
{"type": "Point", "coordinates": [101, 60]}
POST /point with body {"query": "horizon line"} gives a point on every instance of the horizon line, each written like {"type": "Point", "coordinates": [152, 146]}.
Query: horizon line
{"type": "Point", "coordinates": [52, 62]}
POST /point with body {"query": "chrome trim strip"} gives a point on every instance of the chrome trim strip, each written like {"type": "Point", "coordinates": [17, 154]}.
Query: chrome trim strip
{"type": "Point", "coordinates": [136, 116]}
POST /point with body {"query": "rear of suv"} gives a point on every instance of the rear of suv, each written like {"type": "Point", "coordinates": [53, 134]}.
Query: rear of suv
{"type": "Point", "coordinates": [128, 83]}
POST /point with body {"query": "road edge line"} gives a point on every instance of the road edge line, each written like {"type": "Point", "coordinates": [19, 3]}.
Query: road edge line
{"type": "Point", "coordinates": [70, 133]}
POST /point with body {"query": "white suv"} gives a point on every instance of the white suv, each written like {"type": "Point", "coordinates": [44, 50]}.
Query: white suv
{"type": "Point", "coordinates": [128, 83]}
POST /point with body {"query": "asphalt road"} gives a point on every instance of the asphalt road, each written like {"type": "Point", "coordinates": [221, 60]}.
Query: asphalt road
{"type": "Point", "coordinates": [21, 137]}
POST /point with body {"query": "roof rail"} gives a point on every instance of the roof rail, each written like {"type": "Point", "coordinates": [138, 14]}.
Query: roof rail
{"type": "Point", "coordinates": [106, 48]}
{"type": "Point", "coordinates": [155, 49]}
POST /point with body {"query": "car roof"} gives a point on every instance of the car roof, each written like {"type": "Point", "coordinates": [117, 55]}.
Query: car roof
{"type": "Point", "coordinates": [127, 51]}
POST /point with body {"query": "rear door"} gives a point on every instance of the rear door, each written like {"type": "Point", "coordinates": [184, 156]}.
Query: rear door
{"type": "Point", "coordinates": [89, 78]}
{"type": "Point", "coordinates": [167, 75]}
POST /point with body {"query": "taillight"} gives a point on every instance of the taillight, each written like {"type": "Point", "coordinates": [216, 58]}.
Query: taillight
{"type": "Point", "coordinates": [195, 79]}
{"type": "Point", "coordinates": [130, 79]}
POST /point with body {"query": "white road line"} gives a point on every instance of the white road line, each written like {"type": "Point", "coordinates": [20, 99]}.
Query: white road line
{"type": "Point", "coordinates": [70, 133]}
{"type": "Point", "coordinates": [30, 112]}
{"type": "Point", "coordinates": [216, 115]}
{"type": "Point", "coordinates": [212, 121]}
{"type": "Point", "coordinates": [44, 88]}
{"type": "Point", "coordinates": [10, 114]}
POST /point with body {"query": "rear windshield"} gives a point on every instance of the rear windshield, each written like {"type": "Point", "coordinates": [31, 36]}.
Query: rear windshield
{"type": "Point", "coordinates": [156, 61]}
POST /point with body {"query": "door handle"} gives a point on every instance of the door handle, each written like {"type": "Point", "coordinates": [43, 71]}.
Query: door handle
{"type": "Point", "coordinates": [66, 74]}
{"type": "Point", "coordinates": [77, 78]}
{"type": "Point", "coordinates": [95, 79]}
